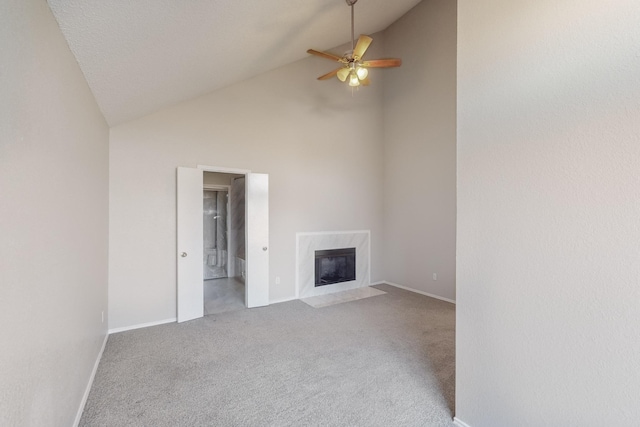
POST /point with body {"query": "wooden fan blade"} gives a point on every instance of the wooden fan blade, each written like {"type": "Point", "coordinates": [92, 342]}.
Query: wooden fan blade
{"type": "Point", "coordinates": [361, 46]}
{"type": "Point", "coordinates": [330, 74]}
{"type": "Point", "coordinates": [382, 63]}
{"type": "Point", "coordinates": [365, 81]}
{"type": "Point", "coordinates": [330, 56]}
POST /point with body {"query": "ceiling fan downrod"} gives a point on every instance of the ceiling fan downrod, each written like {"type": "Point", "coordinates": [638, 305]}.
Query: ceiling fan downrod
{"type": "Point", "coordinates": [353, 38]}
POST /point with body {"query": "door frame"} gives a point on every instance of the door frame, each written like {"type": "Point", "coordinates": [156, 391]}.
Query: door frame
{"type": "Point", "coordinates": [258, 287]}
{"type": "Point", "coordinates": [221, 169]}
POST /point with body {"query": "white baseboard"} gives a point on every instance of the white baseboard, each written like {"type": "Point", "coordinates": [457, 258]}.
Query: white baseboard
{"type": "Point", "coordinates": [459, 422]}
{"type": "Point", "coordinates": [141, 325]}
{"type": "Point", "coordinates": [83, 402]}
{"type": "Point", "coordinates": [384, 282]}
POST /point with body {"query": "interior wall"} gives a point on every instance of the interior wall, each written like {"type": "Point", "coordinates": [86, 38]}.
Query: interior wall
{"type": "Point", "coordinates": [320, 145]}
{"type": "Point", "coordinates": [420, 150]}
{"type": "Point", "coordinates": [53, 221]}
{"type": "Point", "coordinates": [548, 239]}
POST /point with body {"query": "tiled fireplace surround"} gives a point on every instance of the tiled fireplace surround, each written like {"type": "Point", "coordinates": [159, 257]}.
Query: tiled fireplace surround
{"type": "Point", "coordinates": [308, 243]}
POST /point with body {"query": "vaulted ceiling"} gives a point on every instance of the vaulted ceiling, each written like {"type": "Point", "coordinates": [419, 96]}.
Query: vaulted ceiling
{"type": "Point", "coordinates": [140, 56]}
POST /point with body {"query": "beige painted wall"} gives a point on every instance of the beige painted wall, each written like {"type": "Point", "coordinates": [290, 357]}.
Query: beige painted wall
{"type": "Point", "coordinates": [420, 150]}
{"type": "Point", "coordinates": [321, 146]}
{"type": "Point", "coordinates": [53, 221]}
{"type": "Point", "coordinates": [548, 313]}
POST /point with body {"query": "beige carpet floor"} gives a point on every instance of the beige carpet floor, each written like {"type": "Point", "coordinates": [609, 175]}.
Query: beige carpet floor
{"type": "Point", "coordinates": [381, 361]}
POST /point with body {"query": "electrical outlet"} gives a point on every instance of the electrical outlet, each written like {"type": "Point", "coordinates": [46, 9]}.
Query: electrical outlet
{"type": "Point", "coordinates": [103, 317]}
{"type": "Point", "coordinates": [435, 276]}
{"type": "Point", "coordinates": [277, 280]}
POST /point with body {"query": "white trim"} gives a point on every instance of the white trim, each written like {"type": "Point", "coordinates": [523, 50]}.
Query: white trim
{"type": "Point", "coordinates": [457, 421]}
{"type": "Point", "coordinates": [297, 274]}
{"type": "Point", "coordinates": [141, 325]}
{"type": "Point", "coordinates": [83, 402]}
{"type": "Point", "coordinates": [223, 169]}
{"type": "Point", "coordinates": [416, 291]}
{"type": "Point", "coordinates": [278, 301]}
{"type": "Point", "coordinates": [369, 239]}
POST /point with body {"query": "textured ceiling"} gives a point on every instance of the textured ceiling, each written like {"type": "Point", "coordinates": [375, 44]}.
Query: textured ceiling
{"type": "Point", "coordinates": [143, 55]}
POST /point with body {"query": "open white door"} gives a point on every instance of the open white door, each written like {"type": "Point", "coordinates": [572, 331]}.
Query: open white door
{"type": "Point", "coordinates": [257, 240]}
{"type": "Point", "coordinates": [190, 248]}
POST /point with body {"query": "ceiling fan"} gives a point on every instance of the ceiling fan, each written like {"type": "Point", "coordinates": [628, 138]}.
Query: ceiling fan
{"type": "Point", "coordinates": [353, 68]}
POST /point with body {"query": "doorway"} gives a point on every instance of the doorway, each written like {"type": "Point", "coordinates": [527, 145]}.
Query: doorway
{"type": "Point", "coordinates": [224, 257]}
{"type": "Point", "coordinates": [252, 265]}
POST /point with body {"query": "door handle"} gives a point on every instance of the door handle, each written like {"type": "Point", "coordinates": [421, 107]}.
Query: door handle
{"type": "Point", "coordinates": [183, 254]}
{"type": "Point", "coordinates": [264, 248]}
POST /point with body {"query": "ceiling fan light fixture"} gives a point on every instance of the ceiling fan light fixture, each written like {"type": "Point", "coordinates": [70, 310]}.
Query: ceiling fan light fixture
{"type": "Point", "coordinates": [362, 73]}
{"type": "Point", "coordinates": [343, 73]}
{"type": "Point", "coordinates": [354, 81]}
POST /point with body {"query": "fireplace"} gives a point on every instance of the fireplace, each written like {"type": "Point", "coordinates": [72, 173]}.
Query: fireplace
{"type": "Point", "coordinates": [308, 243]}
{"type": "Point", "coordinates": [335, 266]}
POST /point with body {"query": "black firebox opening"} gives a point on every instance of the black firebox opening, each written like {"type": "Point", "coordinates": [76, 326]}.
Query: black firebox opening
{"type": "Point", "coordinates": [335, 266]}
